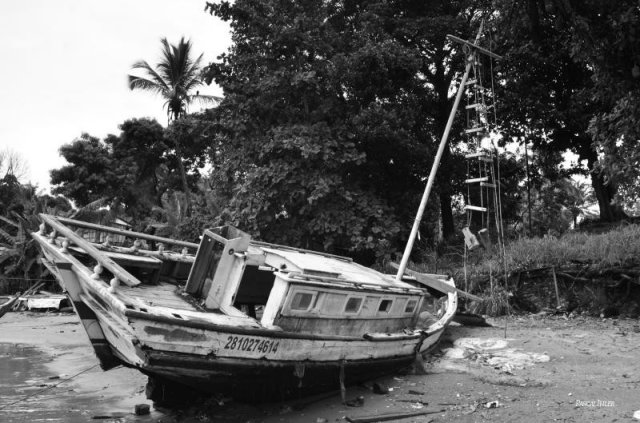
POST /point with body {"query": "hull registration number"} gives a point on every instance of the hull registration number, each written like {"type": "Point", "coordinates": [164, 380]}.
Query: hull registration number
{"type": "Point", "coordinates": [244, 343]}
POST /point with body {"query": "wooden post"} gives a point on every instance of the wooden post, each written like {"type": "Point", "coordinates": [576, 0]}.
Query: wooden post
{"type": "Point", "coordinates": [343, 390]}
{"type": "Point", "coordinates": [555, 284]}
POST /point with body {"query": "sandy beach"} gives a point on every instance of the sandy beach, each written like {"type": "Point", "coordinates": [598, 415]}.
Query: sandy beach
{"type": "Point", "coordinates": [547, 368]}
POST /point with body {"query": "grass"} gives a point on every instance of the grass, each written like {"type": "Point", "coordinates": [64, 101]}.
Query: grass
{"type": "Point", "coordinates": [620, 247]}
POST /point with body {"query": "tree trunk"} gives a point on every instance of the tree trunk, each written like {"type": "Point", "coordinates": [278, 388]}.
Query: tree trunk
{"type": "Point", "coordinates": [183, 177]}
{"type": "Point", "coordinates": [605, 193]}
{"type": "Point", "coordinates": [448, 227]}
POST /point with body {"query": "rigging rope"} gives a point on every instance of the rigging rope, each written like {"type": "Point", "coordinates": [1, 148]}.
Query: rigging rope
{"type": "Point", "coordinates": [487, 166]}
{"type": "Point", "coordinates": [47, 388]}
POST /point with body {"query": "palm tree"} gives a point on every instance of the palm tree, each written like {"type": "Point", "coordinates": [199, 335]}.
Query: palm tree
{"type": "Point", "coordinates": [175, 78]}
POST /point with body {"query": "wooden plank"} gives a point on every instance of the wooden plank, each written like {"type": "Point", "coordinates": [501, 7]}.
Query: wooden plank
{"type": "Point", "coordinates": [474, 46]}
{"type": "Point", "coordinates": [124, 259]}
{"type": "Point", "coordinates": [555, 285]}
{"type": "Point", "coordinates": [98, 256]}
{"type": "Point", "coordinates": [475, 208]}
{"type": "Point", "coordinates": [163, 256]}
{"type": "Point", "coordinates": [87, 317]}
{"type": "Point", "coordinates": [129, 234]}
{"type": "Point", "coordinates": [475, 130]}
{"type": "Point", "coordinates": [479, 154]}
{"type": "Point", "coordinates": [391, 416]}
{"type": "Point", "coordinates": [205, 263]}
{"type": "Point", "coordinates": [435, 283]}
{"type": "Point", "coordinates": [476, 180]}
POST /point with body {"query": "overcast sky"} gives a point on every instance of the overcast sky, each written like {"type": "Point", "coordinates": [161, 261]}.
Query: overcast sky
{"type": "Point", "coordinates": [65, 65]}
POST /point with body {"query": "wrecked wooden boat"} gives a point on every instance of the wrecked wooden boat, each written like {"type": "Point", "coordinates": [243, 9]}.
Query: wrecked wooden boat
{"type": "Point", "coordinates": [234, 315]}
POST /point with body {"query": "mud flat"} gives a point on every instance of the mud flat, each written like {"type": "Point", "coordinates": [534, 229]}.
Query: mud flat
{"type": "Point", "coordinates": [547, 368]}
{"type": "Point", "coordinates": [39, 352]}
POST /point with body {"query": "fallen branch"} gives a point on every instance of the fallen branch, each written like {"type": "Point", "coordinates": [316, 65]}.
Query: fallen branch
{"type": "Point", "coordinates": [391, 416]}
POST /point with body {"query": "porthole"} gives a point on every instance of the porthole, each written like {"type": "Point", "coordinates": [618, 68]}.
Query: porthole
{"type": "Point", "coordinates": [411, 306]}
{"type": "Point", "coordinates": [301, 301]}
{"type": "Point", "coordinates": [385, 306]}
{"type": "Point", "coordinates": [353, 305]}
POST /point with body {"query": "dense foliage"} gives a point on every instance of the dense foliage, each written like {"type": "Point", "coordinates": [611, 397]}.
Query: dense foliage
{"type": "Point", "coordinates": [330, 117]}
{"type": "Point", "coordinates": [569, 86]}
{"type": "Point", "coordinates": [174, 78]}
{"type": "Point", "coordinates": [20, 204]}
{"type": "Point", "coordinates": [333, 110]}
{"type": "Point", "coordinates": [135, 168]}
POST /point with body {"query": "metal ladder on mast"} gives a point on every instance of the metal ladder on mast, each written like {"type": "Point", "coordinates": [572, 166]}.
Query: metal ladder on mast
{"type": "Point", "coordinates": [471, 49]}
{"type": "Point", "coordinates": [481, 160]}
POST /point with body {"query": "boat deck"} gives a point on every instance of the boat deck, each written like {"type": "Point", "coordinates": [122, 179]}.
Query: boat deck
{"type": "Point", "coordinates": [161, 295]}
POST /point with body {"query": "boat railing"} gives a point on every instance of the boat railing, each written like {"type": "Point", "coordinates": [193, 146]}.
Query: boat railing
{"type": "Point", "coordinates": [123, 232]}
{"type": "Point", "coordinates": [63, 227]}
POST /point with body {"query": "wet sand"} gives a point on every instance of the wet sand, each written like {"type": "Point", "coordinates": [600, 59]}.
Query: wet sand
{"type": "Point", "coordinates": [546, 369]}
{"type": "Point", "coordinates": [38, 352]}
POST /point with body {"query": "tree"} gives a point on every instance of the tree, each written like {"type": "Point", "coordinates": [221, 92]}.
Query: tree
{"type": "Point", "coordinates": [331, 111]}
{"type": "Point", "coordinates": [550, 93]}
{"type": "Point", "coordinates": [91, 173]}
{"type": "Point", "coordinates": [329, 73]}
{"type": "Point", "coordinates": [131, 169]}
{"type": "Point", "coordinates": [12, 165]}
{"type": "Point", "coordinates": [607, 34]}
{"type": "Point", "coordinates": [20, 205]}
{"type": "Point", "coordinates": [140, 151]}
{"type": "Point", "coordinates": [174, 78]}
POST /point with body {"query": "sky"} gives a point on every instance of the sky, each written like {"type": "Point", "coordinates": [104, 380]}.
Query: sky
{"type": "Point", "coordinates": [65, 65]}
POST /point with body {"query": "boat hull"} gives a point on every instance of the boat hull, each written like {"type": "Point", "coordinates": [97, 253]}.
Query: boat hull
{"type": "Point", "coordinates": [153, 327]}
{"type": "Point", "coordinates": [260, 366]}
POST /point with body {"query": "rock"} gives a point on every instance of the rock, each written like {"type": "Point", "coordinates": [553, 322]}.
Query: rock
{"type": "Point", "coordinates": [380, 389]}
{"type": "Point", "coordinates": [142, 409]}
{"type": "Point", "coordinates": [356, 402]}
{"type": "Point", "coordinates": [636, 415]}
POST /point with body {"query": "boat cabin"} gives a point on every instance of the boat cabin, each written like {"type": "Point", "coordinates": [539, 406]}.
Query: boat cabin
{"type": "Point", "coordinates": [297, 290]}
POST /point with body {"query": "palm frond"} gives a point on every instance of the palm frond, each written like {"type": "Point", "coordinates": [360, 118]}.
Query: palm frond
{"type": "Point", "coordinates": [21, 237]}
{"type": "Point", "coordinates": [91, 212]}
{"type": "Point", "coordinates": [8, 237]}
{"type": "Point", "coordinates": [154, 77]}
{"type": "Point", "coordinates": [175, 75]}
{"type": "Point", "coordinates": [140, 83]}
{"type": "Point", "coordinates": [206, 99]}
{"type": "Point", "coordinates": [9, 221]}
{"type": "Point", "coordinates": [6, 255]}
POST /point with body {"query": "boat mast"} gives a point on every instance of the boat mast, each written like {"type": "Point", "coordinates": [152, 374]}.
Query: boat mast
{"type": "Point", "coordinates": [472, 49]}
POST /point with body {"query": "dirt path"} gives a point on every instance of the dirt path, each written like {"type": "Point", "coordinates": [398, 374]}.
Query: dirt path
{"type": "Point", "coordinates": [547, 369]}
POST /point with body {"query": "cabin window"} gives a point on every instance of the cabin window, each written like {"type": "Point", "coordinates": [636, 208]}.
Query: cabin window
{"type": "Point", "coordinates": [353, 305]}
{"type": "Point", "coordinates": [411, 306]}
{"type": "Point", "coordinates": [301, 301]}
{"type": "Point", "coordinates": [385, 306]}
